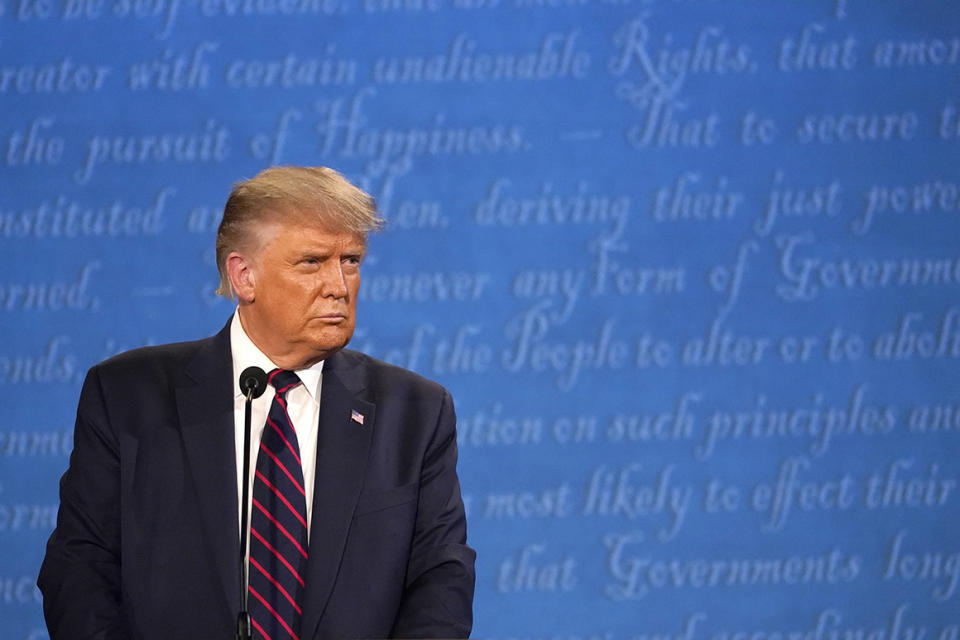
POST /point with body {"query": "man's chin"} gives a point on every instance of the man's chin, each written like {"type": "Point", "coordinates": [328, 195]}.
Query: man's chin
{"type": "Point", "coordinates": [326, 344]}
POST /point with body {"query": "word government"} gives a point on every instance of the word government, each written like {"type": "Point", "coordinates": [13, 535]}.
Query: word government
{"type": "Point", "coordinates": [634, 575]}
{"type": "Point", "coordinates": [805, 278]}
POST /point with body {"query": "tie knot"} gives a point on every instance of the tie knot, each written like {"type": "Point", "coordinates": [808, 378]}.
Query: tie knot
{"type": "Point", "coordinates": [283, 380]}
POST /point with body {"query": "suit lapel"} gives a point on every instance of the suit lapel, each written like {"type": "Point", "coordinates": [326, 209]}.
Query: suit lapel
{"type": "Point", "coordinates": [342, 451]}
{"type": "Point", "coordinates": [205, 406]}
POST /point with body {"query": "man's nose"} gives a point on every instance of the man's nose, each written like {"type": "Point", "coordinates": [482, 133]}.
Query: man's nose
{"type": "Point", "coordinates": [333, 282]}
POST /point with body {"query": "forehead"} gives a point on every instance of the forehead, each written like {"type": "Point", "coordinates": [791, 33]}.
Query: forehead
{"type": "Point", "coordinates": [304, 232]}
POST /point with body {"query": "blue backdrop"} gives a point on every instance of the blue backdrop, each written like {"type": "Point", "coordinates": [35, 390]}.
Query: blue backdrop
{"type": "Point", "coordinates": [690, 269]}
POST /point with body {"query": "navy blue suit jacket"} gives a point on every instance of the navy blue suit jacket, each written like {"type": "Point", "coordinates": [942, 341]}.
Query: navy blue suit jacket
{"type": "Point", "coordinates": [146, 544]}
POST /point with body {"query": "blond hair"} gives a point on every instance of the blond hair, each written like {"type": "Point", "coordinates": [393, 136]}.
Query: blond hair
{"type": "Point", "coordinates": [285, 192]}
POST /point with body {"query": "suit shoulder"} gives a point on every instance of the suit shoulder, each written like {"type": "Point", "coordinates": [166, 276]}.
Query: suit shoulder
{"type": "Point", "coordinates": [385, 375]}
{"type": "Point", "coordinates": [156, 361]}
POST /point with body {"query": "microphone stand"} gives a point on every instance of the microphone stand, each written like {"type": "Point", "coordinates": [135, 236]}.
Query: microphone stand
{"type": "Point", "coordinates": [243, 618]}
{"type": "Point", "coordinates": [253, 381]}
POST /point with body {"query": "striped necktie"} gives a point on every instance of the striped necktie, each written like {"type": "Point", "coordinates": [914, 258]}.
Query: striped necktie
{"type": "Point", "coordinates": [278, 523]}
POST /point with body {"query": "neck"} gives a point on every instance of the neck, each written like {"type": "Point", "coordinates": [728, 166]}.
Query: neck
{"type": "Point", "coordinates": [284, 356]}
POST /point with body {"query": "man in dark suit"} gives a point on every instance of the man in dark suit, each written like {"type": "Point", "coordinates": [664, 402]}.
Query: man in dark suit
{"type": "Point", "coordinates": [148, 539]}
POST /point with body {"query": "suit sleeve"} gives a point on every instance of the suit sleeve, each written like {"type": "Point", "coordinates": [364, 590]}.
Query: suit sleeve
{"type": "Point", "coordinates": [80, 575]}
{"type": "Point", "coordinates": [438, 595]}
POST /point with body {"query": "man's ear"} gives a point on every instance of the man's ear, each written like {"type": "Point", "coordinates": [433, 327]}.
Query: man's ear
{"type": "Point", "coordinates": [242, 277]}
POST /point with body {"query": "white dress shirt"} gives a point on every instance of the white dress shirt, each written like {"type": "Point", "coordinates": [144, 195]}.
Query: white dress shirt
{"type": "Point", "coordinates": [303, 406]}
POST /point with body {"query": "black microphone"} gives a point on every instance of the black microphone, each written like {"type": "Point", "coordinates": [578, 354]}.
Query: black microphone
{"type": "Point", "coordinates": [253, 382]}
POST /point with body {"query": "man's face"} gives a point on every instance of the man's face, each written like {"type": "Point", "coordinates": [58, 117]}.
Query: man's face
{"type": "Point", "coordinates": [304, 292]}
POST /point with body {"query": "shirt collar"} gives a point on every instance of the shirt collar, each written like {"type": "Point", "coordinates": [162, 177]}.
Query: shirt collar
{"type": "Point", "coordinates": [246, 354]}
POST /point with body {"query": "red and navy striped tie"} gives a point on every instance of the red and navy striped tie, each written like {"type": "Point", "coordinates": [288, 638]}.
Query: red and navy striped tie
{"type": "Point", "coordinates": [278, 523]}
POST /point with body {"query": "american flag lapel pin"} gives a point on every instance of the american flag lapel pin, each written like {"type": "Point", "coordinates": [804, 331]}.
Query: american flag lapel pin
{"type": "Point", "coordinates": [356, 416]}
